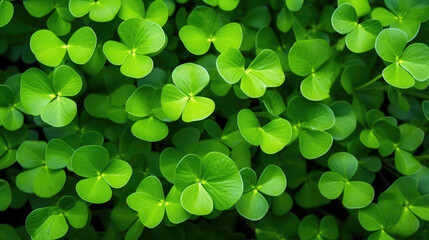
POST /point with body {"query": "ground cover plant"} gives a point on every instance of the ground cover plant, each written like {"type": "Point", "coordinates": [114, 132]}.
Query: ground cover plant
{"type": "Point", "coordinates": [214, 119]}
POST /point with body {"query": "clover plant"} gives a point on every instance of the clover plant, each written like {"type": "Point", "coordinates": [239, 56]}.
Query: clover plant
{"type": "Point", "coordinates": [214, 119]}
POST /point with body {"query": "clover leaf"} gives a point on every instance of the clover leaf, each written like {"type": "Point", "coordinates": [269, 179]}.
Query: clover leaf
{"type": "Point", "coordinates": [181, 98]}
{"type": "Point", "coordinates": [157, 11]}
{"type": "Point", "coordinates": [277, 227]}
{"type": "Point", "coordinates": [226, 5]}
{"type": "Point", "coordinates": [264, 71]}
{"type": "Point", "coordinates": [272, 137]}
{"type": "Point", "coordinates": [310, 120]}
{"type": "Point", "coordinates": [9, 143]}
{"type": "Point", "coordinates": [92, 162]}
{"type": "Point", "coordinates": [110, 106]}
{"type": "Point", "coordinates": [139, 38]}
{"type": "Point", "coordinates": [362, 6]}
{"type": "Point", "coordinates": [186, 141]}
{"type": "Point", "coordinates": [204, 28]}
{"type": "Point", "coordinates": [332, 184]}
{"type": "Point", "coordinates": [402, 204]}
{"type": "Point", "coordinates": [209, 182]}
{"type": "Point", "coordinates": [145, 103]}
{"type": "Point", "coordinates": [360, 36]}
{"type": "Point", "coordinates": [10, 115]}
{"type": "Point", "coordinates": [307, 59]}
{"type": "Point", "coordinates": [294, 5]}
{"type": "Point", "coordinates": [6, 12]}
{"type": "Point", "coordinates": [53, 222]}
{"type": "Point", "coordinates": [311, 228]}
{"type": "Point", "coordinates": [345, 120]}
{"type": "Point", "coordinates": [59, 21]}
{"type": "Point", "coordinates": [401, 140]}
{"type": "Point", "coordinates": [99, 10]}
{"type": "Point", "coordinates": [50, 50]}
{"type": "Point", "coordinates": [150, 203]}
{"type": "Point", "coordinates": [48, 96]}
{"type": "Point", "coordinates": [372, 219]}
{"type": "Point", "coordinates": [406, 65]}
{"type": "Point", "coordinates": [5, 195]}
{"type": "Point", "coordinates": [405, 15]}
{"type": "Point", "coordinates": [38, 178]}
{"type": "Point", "coordinates": [252, 204]}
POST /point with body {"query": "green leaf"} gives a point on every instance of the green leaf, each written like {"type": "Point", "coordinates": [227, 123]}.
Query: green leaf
{"type": "Point", "coordinates": [230, 65]}
{"type": "Point", "coordinates": [420, 207]}
{"type": "Point", "coordinates": [306, 56]}
{"type": "Point", "coordinates": [294, 5]}
{"type": "Point", "coordinates": [197, 109]}
{"type": "Point", "coordinates": [5, 195]}
{"type": "Point", "coordinates": [383, 15]}
{"type": "Point", "coordinates": [157, 12]}
{"type": "Point", "coordinates": [150, 129]}
{"type": "Point", "coordinates": [148, 201]}
{"type": "Point", "coordinates": [362, 6]}
{"type": "Point", "coordinates": [48, 182]}
{"type": "Point", "coordinates": [249, 127]}
{"type": "Point", "coordinates": [188, 171]}
{"type": "Point", "coordinates": [99, 11]}
{"type": "Point", "coordinates": [308, 228]}
{"type": "Point", "coordinates": [415, 59]}
{"type": "Point", "coordinates": [252, 205]}
{"type": "Point", "coordinates": [331, 185]}
{"type": "Point", "coordinates": [117, 173]}
{"type": "Point", "coordinates": [116, 52]}
{"type": "Point", "coordinates": [173, 101]}
{"type": "Point", "coordinates": [405, 163]}
{"type": "Point", "coordinates": [66, 81]}
{"type": "Point", "coordinates": [140, 38]}
{"type": "Point", "coordinates": [396, 76]}
{"type": "Point", "coordinates": [77, 216]}
{"type": "Point", "coordinates": [195, 39]}
{"type": "Point", "coordinates": [371, 218]}
{"type": "Point", "coordinates": [190, 78]}
{"type": "Point", "coordinates": [223, 182]}
{"type": "Point", "coordinates": [131, 9]}
{"type": "Point", "coordinates": [46, 223]}
{"type": "Point", "coordinates": [264, 71]}
{"type": "Point", "coordinates": [229, 36]}
{"type": "Point", "coordinates": [94, 190]}
{"type": "Point", "coordinates": [345, 120]}
{"type": "Point", "coordinates": [363, 37]}
{"type": "Point", "coordinates": [390, 44]}
{"type": "Point", "coordinates": [6, 12]}
{"type": "Point", "coordinates": [31, 154]}
{"type": "Point", "coordinates": [175, 212]}
{"type": "Point", "coordinates": [59, 112]}
{"type": "Point", "coordinates": [90, 161]}
{"type": "Point", "coordinates": [314, 143]}
{"type": "Point", "coordinates": [357, 194]}
{"type": "Point", "coordinates": [196, 200]}
{"type": "Point", "coordinates": [310, 115]}
{"type": "Point", "coordinates": [344, 19]}
{"type": "Point", "coordinates": [344, 164]}
{"type": "Point", "coordinates": [47, 48]}
{"type": "Point", "coordinates": [275, 135]}
{"type": "Point", "coordinates": [81, 45]}
{"type": "Point", "coordinates": [272, 181]}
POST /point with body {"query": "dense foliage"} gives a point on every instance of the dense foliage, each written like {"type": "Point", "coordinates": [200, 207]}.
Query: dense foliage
{"type": "Point", "coordinates": [214, 119]}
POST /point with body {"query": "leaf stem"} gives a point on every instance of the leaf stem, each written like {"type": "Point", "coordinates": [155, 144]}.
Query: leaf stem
{"type": "Point", "coordinates": [369, 82]}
